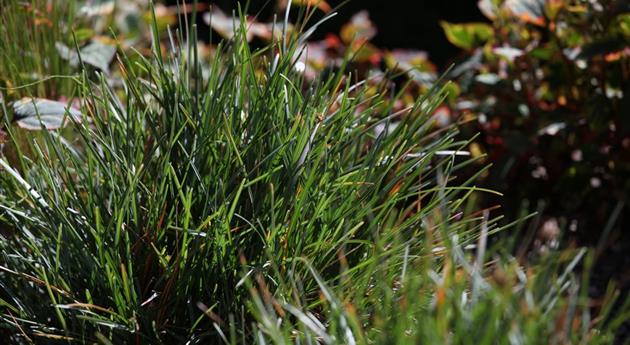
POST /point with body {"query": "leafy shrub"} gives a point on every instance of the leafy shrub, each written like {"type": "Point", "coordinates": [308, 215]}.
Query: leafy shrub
{"type": "Point", "coordinates": [548, 86]}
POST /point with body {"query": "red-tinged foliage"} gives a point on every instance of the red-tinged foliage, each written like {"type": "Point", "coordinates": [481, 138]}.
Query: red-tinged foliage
{"type": "Point", "coordinates": [549, 89]}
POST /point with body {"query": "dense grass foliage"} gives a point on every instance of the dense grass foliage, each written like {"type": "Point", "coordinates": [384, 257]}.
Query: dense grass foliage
{"type": "Point", "coordinates": [233, 201]}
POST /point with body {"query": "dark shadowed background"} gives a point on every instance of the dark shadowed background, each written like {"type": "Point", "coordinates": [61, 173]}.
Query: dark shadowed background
{"type": "Point", "coordinates": [411, 24]}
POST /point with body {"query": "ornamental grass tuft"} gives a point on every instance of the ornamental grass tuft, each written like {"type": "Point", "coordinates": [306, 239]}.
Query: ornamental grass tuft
{"type": "Point", "coordinates": [230, 200]}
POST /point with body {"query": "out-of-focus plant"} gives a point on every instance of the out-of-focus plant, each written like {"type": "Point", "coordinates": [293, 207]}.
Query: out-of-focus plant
{"type": "Point", "coordinates": [547, 81]}
{"type": "Point", "coordinates": [44, 43]}
{"type": "Point", "coordinates": [352, 40]}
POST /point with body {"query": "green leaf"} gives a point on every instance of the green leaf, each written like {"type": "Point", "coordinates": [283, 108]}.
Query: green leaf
{"type": "Point", "coordinates": [83, 34]}
{"type": "Point", "coordinates": [624, 25]}
{"type": "Point", "coordinates": [468, 35]}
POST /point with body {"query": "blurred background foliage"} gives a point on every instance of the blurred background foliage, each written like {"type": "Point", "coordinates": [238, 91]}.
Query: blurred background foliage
{"type": "Point", "coordinates": [546, 82]}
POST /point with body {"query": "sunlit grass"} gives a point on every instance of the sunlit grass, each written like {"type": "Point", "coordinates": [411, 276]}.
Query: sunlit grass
{"type": "Point", "coordinates": [231, 200]}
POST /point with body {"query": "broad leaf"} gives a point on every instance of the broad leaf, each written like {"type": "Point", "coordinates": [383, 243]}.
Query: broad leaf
{"type": "Point", "coordinates": [227, 26]}
{"type": "Point", "coordinates": [467, 36]}
{"type": "Point", "coordinates": [531, 11]}
{"type": "Point", "coordinates": [35, 113]}
{"type": "Point", "coordinates": [488, 78]}
{"type": "Point", "coordinates": [488, 8]}
{"type": "Point", "coordinates": [95, 54]}
{"type": "Point", "coordinates": [360, 28]}
{"type": "Point", "coordinates": [510, 53]}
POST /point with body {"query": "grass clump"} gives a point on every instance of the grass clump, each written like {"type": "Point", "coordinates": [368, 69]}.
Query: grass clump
{"type": "Point", "coordinates": [233, 201]}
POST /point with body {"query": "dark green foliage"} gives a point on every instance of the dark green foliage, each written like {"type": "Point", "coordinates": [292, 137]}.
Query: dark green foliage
{"type": "Point", "coordinates": [550, 90]}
